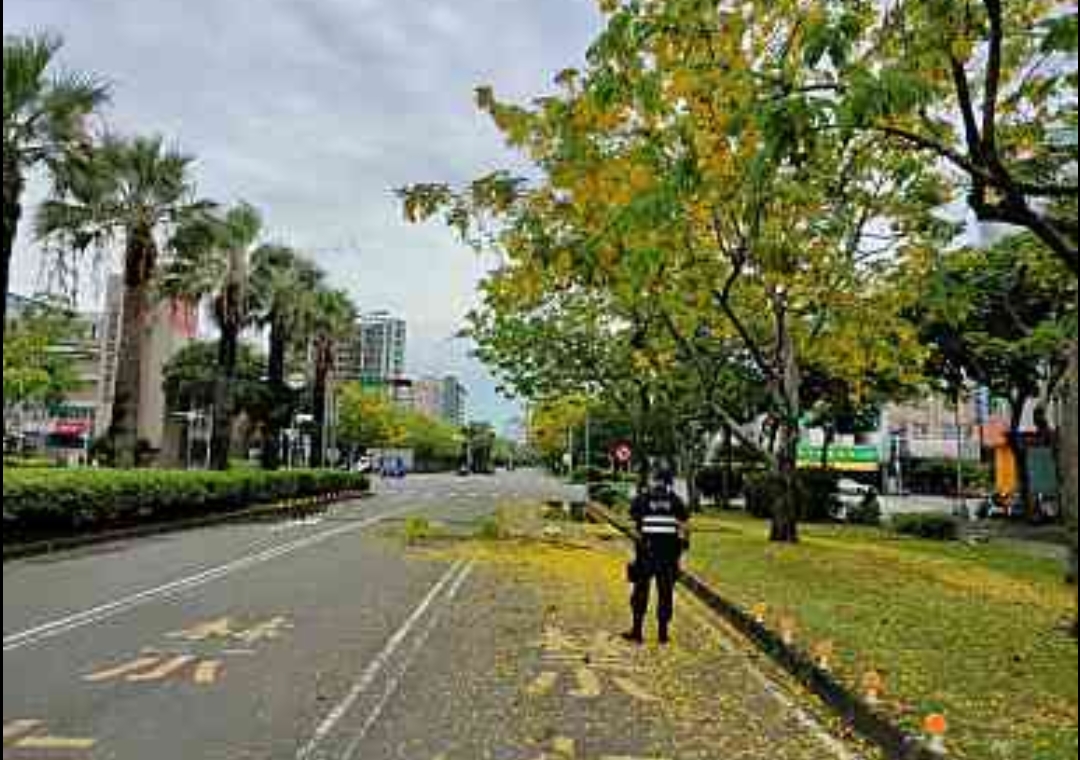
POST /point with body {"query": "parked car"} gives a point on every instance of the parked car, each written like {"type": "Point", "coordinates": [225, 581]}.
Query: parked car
{"type": "Point", "coordinates": [362, 464]}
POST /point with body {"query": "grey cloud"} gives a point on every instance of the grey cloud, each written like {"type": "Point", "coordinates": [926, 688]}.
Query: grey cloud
{"type": "Point", "coordinates": [315, 109]}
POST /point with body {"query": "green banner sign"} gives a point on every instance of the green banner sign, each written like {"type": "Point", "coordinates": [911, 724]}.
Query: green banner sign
{"type": "Point", "coordinates": [860, 456]}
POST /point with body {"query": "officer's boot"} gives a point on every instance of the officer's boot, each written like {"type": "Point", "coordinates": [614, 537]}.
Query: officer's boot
{"type": "Point", "coordinates": [662, 632]}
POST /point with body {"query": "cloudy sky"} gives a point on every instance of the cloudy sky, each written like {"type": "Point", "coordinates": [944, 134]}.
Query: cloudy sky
{"type": "Point", "coordinates": [314, 110]}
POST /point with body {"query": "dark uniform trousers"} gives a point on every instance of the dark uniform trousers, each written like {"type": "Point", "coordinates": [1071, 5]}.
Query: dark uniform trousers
{"type": "Point", "coordinates": [654, 560]}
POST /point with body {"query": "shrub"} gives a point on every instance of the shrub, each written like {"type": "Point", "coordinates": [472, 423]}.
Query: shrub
{"type": "Point", "coordinates": [938, 476]}
{"type": "Point", "coordinates": [818, 495]}
{"type": "Point", "coordinates": [609, 494]}
{"type": "Point", "coordinates": [868, 511]}
{"type": "Point", "coordinates": [927, 525]}
{"type": "Point", "coordinates": [50, 503]}
{"type": "Point", "coordinates": [589, 474]}
{"type": "Point", "coordinates": [762, 491]}
{"type": "Point", "coordinates": [416, 529]}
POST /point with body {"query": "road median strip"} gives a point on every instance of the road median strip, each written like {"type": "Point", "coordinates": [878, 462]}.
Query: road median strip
{"type": "Point", "coordinates": [854, 711]}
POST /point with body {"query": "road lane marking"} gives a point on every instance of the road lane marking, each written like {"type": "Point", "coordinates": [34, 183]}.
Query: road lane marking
{"type": "Point", "coordinates": [55, 742]}
{"type": "Point", "coordinates": [13, 729]}
{"type": "Point", "coordinates": [268, 629]}
{"type": "Point", "coordinates": [203, 631]}
{"type": "Point", "coordinates": [118, 671]}
{"type": "Point", "coordinates": [107, 610]}
{"type": "Point", "coordinates": [163, 670]}
{"type": "Point", "coordinates": [395, 679]}
{"type": "Point", "coordinates": [371, 672]}
{"type": "Point", "coordinates": [206, 672]}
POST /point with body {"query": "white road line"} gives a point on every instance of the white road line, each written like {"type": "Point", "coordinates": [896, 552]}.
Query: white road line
{"type": "Point", "coordinates": [111, 609]}
{"type": "Point", "coordinates": [804, 718]}
{"type": "Point", "coordinates": [394, 682]}
{"type": "Point", "coordinates": [371, 672]}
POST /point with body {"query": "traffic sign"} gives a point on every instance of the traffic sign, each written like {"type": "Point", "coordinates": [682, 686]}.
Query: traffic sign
{"type": "Point", "coordinates": [622, 453]}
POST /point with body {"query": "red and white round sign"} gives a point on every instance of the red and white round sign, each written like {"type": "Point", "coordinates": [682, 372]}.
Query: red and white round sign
{"type": "Point", "coordinates": [622, 453]}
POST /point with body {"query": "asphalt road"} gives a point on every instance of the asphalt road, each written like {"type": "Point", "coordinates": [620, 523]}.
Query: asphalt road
{"type": "Point", "coordinates": [321, 638]}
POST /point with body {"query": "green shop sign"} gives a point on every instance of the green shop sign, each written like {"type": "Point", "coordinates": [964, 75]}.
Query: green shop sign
{"type": "Point", "coordinates": [857, 457]}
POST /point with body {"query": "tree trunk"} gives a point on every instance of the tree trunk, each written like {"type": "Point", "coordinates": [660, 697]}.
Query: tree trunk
{"type": "Point", "coordinates": [826, 444]}
{"type": "Point", "coordinates": [1067, 434]}
{"type": "Point", "coordinates": [127, 397]}
{"type": "Point", "coordinates": [726, 473]}
{"type": "Point", "coordinates": [784, 526]}
{"type": "Point", "coordinates": [318, 403]}
{"type": "Point", "coordinates": [13, 187]}
{"type": "Point", "coordinates": [1019, 452]}
{"type": "Point", "coordinates": [275, 370]}
{"type": "Point", "coordinates": [786, 512]}
{"type": "Point", "coordinates": [221, 435]}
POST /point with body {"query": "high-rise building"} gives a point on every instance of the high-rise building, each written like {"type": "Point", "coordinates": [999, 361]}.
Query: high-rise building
{"type": "Point", "coordinates": [427, 396]}
{"type": "Point", "coordinates": [376, 352]}
{"type": "Point", "coordinates": [453, 400]}
{"type": "Point", "coordinates": [440, 397]}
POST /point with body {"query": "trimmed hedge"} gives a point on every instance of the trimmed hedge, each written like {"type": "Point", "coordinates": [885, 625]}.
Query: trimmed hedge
{"type": "Point", "coordinates": [929, 525]}
{"type": "Point", "coordinates": [42, 504]}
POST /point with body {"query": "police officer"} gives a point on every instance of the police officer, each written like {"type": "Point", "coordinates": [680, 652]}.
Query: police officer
{"type": "Point", "coordinates": [661, 520]}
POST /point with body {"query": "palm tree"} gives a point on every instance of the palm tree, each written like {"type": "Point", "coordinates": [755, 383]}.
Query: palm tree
{"type": "Point", "coordinates": [283, 284]}
{"type": "Point", "coordinates": [137, 193]}
{"type": "Point", "coordinates": [44, 114]}
{"type": "Point", "coordinates": [213, 258]}
{"type": "Point", "coordinates": [333, 320]}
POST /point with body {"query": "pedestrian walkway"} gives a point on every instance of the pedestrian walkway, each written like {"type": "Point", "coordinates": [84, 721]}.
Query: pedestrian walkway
{"type": "Point", "coordinates": [539, 672]}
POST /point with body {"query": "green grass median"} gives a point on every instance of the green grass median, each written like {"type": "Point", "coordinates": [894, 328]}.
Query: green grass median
{"type": "Point", "coordinates": [52, 503]}
{"type": "Point", "coordinates": [975, 632]}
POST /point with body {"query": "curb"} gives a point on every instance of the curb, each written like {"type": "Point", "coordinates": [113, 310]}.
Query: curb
{"type": "Point", "coordinates": [292, 508]}
{"type": "Point", "coordinates": [896, 743]}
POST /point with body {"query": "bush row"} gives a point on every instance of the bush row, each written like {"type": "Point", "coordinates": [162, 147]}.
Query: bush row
{"type": "Point", "coordinates": [934, 526]}
{"type": "Point", "coordinates": [816, 494]}
{"type": "Point", "coordinates": [51, 503]}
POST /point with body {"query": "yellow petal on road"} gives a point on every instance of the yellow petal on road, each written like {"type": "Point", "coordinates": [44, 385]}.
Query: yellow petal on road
{"type": "Point", "coordinates": [634, 691]}
{"type": "Point", "coordinates": [588, 685]}
{"type": "Point", "coordinates": [542, 684]}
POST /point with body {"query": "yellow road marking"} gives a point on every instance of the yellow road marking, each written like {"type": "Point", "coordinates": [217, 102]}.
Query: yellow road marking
{"type": "Point", "coordinates": [163, 670]}
{"type": "Point", "coordinates": [270, 629]}
{"type": "Point", "coordinates": [588, 685]}
{"type": "Point", "coordinates": [203, 631]}
{"type": "Point", "coordinates": [54, 742]}
{"type": "Point", "coordinates": [206, 672]}
{"type": "Point", "coordinates": [542, 684]}
{"type": "Point", "coordinates": [121, 670]}
{"type": "Point", "coordinates": [631, 689]}
{"type": "Point", "coordinates": [15, 728]}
